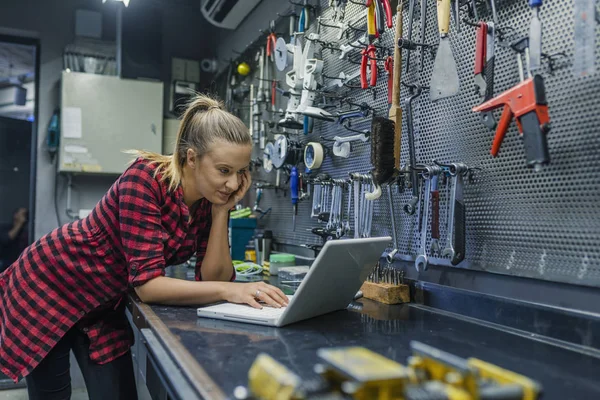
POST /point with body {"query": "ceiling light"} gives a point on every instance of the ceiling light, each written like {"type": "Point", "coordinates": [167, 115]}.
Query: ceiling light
{"type": "Point", "coordinates": [126, 2]}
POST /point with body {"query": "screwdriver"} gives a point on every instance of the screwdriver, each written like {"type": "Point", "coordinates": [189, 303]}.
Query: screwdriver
{"type": "Point", "coordinates": [294, 190]}
{"type": "Point", "coordinates": [535, 36]}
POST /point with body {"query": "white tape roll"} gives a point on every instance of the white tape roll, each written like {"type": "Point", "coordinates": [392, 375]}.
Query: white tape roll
{"type": "Point", "coordinates": [313, 155]}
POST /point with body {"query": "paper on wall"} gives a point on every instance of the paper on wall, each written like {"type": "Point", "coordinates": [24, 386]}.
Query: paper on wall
{"type": "Point", "coordinates": [74, 148]}
{"type": "Point", "coordinates": [71, 117]}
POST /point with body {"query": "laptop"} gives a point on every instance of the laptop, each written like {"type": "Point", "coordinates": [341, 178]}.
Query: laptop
{"type": "Point", "coordinates": [330, 285]}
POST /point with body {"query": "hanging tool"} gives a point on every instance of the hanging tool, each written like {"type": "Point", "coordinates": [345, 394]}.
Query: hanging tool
{"type": "Point", "coordinates": [304, 18]}
{"type": "Point", "coordinates": [294, 192]}
{"type": "Point", "coordinates": [410, 207]}
{"type": "Point", "coordinates": [368, 57]}
{"type": "Point", "coordinates": [456, 15]}
{"type": "Point", "coordinates": [395, 113]}
{"type": "Point", "coordinates": [382, 153]}
{"type": "Point", "coordinates": [584, 57]}
{"type": "Point", "coordinates": [484, 68]}
{"type": "Point", "coordinates": [423, 29]}
{"type": "Point", "coordinates": [411, 16]}
{"type": "Point", "coordinates": [444, 78]}
{"type": "Point", "coordinates": [435, 214]}
{"type": "Point", "coordinates": [527, 103]}
{"type": "Point", "coordinates": [389, 69]}
{"type": "Point", "coordinates": [371, 20]}
{"type": "Point", "coordinates": [391, 254]}
{"type": "Point", "coordinates": [487, 118]}
{"type": "Point", "coordinates": [271, 41]}
{"type": "Point", "coordinates": [346, 48]}
{"type": "Point", "coordinates": [422, 262]}
{"type": "Point", "coordinates": [342, 148]}
{"type": "Point", "coordinates": [535, 36]}
{"type": "Point", "coordinates": [381, 8]}
{"type": "Point", "coordinates": [480, 55]}
{"type": "Point", "coordinates": [456, 241]}
{"type": "Point", "coordinates": [429, 173]}
{"type": "Point", "coordinates": [494, 13]}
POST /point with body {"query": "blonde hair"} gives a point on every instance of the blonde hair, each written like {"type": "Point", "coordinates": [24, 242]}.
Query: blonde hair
{"type": "Point", "coordinates": [204, 121]}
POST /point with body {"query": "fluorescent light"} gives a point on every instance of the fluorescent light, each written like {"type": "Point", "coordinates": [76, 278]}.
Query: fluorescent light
{"type": "Point", "coordinates": [126, 2]}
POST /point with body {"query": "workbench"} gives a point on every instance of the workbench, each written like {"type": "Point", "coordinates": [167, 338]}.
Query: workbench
{"type": "Point", "coordinates": [180, 356]}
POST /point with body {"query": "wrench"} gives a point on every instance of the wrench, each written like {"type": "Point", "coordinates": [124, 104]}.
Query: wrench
{"type": "Point", "coordinates": [316, 206]}
{"type": "Point", "coordinates": [356, 187]}
{"type": "Point", "coordinates": [409, 208]}
{"type": "Point", "coordinates": [347, 226]}
{"type": "Point", "coordinates": [435, 214]}
{"type": "Point", "coordinates": [421, 262]}
{"type": "Point", "coordinates": [390, 256]}
{"type": "Point", "coordinates": [455, 241]}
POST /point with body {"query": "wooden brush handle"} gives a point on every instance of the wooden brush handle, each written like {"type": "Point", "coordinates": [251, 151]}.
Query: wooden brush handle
{"type": "Point", "coordinates": [397, 75]}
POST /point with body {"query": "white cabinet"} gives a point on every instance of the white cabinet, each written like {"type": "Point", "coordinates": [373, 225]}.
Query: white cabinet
{"type": "Point", "coordinates": [101, 116]}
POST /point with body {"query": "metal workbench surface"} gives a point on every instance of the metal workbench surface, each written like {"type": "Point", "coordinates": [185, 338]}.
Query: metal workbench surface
{"type": "Point", "coordinates": [216, 355]}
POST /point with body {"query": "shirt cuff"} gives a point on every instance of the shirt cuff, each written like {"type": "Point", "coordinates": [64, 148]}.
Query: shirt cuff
{"type": "Point", "coordinates": [138, 277]}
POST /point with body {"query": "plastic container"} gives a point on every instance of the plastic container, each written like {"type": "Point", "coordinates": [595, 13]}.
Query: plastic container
{"type": "Point", "coordinates": [293, 275]}
{"type": "Point", "coordinates": [281, 260]}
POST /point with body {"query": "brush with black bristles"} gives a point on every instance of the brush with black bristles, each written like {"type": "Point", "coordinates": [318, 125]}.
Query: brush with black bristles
{"type": "Point", "coordinates": [383, 132]}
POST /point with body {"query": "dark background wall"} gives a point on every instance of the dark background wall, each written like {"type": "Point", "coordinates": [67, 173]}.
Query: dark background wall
{"type": "Point", "coordinates": [15, 148]}
{"type": "Point", "coordinates": [184, 34]}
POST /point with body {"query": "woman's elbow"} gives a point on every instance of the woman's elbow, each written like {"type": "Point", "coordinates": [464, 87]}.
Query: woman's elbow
{"type": "Point", "coordinates": [145, 292]}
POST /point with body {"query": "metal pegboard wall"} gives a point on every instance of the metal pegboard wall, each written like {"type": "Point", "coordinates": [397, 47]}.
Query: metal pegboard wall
{"type": "Point", "coordinates": [542, 224]}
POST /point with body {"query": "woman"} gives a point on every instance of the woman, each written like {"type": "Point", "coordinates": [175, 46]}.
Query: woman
{"type": "Point", "coordinates": [66, 290]}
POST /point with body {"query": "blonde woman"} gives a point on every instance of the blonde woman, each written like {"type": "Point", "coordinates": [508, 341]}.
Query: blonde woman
{"type": "Point", "coordinates": [66, 291]}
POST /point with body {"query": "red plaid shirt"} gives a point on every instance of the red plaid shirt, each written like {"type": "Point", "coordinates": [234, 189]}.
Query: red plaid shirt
{"type": "Point", "coordinates": [78, 274]}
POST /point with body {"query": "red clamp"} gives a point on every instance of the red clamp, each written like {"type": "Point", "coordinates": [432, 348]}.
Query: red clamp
{"type": "Point", "coordinates": [389, 68]}
{"type": "Point", "coordinates": [368, 54]}
{"type": "Point", "coordinates": [527, 102]}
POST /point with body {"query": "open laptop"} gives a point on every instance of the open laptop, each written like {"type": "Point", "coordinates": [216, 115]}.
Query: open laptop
{"type": "Point", "coordinates": [330, 285]}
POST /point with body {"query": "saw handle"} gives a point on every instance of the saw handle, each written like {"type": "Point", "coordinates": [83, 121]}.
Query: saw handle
{"type": "Point", "coordinates": [480, 47]}
{"type": "Point", "coordinates": [443, 13]}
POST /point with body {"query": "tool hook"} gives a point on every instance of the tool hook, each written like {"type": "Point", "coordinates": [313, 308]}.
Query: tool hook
{"type": "Point", "coordinates": [365, 132]}
{"type": "Point", "coordinates": [552, 61]}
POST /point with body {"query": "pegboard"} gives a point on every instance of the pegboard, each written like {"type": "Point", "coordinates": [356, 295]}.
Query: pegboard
{"type": "Point", "coordinates": [539, 224]}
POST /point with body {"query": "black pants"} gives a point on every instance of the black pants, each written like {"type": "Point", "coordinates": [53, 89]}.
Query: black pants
{"type": "Point", "coordinates": [51, 379]}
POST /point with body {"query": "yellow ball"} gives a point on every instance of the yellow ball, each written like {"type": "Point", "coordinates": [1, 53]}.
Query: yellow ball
{"type": "Point", "coordinates": [243, 69]}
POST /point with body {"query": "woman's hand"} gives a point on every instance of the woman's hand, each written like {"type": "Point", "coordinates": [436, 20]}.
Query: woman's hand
{"type": "Point", "coordinates": [252, 293]}
{"type": "Point", "coordinates": [246, 181]}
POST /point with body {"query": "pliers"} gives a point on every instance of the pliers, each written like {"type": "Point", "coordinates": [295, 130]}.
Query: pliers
{"type": "Point", "coordinates": [368, 54]}
{"type": "Point", "coordinates": [380, 7]}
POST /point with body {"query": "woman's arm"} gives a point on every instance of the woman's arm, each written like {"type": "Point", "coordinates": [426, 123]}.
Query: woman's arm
{"type": "Point", "coordinates": [217, 264]}
{"type": "Point", "coordinates": [174, 291]}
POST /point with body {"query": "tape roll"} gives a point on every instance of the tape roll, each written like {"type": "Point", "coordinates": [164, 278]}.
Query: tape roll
{"type": "Point", "coordinates": [313, 155]}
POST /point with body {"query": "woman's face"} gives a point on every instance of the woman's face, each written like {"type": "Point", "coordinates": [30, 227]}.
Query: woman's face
{"type": "Point", "coordinates": [217, 174]}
